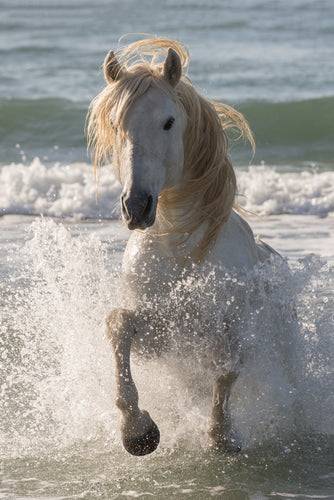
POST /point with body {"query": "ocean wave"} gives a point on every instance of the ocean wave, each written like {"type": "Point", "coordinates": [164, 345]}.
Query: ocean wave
{"type": "Point", "coordinates": [40, 125]}
{"type": "Point", "coordinates": [284, 132]}
{"type": "Point", "coordinates": [267, 191]}
{"type": "Point", "coordinates": [58, 191]}
{"type": "Point", "coordinates": [300, 130]}
{"type": "Point", "coordinates": [69, 191]}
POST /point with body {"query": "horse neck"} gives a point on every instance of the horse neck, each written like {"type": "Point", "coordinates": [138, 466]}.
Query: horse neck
{"type": "Point", "coordinates": [170, 230]}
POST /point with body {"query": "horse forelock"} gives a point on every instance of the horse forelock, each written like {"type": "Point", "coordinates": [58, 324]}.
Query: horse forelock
{"type": "Point", "coordinates": [208, 176]}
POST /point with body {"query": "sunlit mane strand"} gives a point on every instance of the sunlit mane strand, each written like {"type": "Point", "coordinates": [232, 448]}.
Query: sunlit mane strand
{"type": "Point", "coordinates": [208, 176]}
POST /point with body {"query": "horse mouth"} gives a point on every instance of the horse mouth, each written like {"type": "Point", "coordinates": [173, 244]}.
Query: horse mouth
{"type": "Point", "coordinates": [134, 224]}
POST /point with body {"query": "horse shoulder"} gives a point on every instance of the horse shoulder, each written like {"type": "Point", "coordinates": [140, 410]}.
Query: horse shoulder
{"type": "Point", "coordinates": [236, 246]}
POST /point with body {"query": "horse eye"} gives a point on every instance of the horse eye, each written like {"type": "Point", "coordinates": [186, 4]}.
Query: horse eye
{"type": "Point", "coordinates": [169, 123]}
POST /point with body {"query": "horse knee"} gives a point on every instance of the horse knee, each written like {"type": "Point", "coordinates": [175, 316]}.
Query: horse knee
{"type": "Point", "coordinates": [224, 382]}
{"type": "Point", "coordinates": [118, 321]}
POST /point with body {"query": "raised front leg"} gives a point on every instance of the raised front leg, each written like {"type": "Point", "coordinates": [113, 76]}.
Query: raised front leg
{"type": "Point", "coordinates": [219, 423]}
{"type": "Point", "coordinates": [140, 435]}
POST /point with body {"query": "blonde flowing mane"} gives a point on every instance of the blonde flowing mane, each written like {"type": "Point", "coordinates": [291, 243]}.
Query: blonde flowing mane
{"type": "Point", "coordinates": [207, 189]}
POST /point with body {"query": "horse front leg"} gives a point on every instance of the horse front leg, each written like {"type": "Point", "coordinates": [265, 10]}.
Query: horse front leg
{"type": "Point", "coordinates": [140, 435]}
{"type": "Point", "coordinates": [219, 425]}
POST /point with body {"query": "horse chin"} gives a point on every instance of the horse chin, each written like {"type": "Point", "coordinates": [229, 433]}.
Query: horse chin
{"type": "Point", "coordinates": [141, 225]}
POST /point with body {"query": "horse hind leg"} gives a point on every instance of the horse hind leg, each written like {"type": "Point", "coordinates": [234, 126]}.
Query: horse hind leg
{"type": "Point", "coordinates": [219, 425]}
{"type": "Point", "coordinates": [140, 435]}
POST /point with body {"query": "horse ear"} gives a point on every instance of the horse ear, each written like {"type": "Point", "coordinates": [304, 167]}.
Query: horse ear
{"type": "Point", "coordinates": [172, 68]}
{"type": "Point", "coordinates": [112, 69]}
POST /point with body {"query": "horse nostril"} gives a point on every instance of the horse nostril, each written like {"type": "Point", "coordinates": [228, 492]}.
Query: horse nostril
{"type": "Point", "coordinates": [124, 210]}
{"type": "Point", "coordinates": [148, 205]}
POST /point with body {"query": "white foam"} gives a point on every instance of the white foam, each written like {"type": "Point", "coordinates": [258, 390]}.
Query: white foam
{"type": "Point", "coordinates": [58, 191]}
{"type": "Point", "coordinates": [266, 191]}
{"type": "Point", "coordinates": [69, 191]}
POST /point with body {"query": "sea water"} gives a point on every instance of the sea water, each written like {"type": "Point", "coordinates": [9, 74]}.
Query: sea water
{"type": "Point", "coordinates": [61, 256]}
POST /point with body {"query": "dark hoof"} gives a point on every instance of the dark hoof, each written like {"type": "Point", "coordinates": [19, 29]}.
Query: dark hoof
{"type": "Point", "coordinates": [145, 444]}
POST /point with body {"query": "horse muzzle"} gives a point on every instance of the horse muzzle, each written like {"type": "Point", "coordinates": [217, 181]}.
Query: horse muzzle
{"type": "Point", "coordinates": [138, 210]}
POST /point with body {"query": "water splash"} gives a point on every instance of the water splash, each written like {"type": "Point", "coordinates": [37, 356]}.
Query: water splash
{"type": "Point", "coordinates": [58, 363]}
{"type": "Point", "coordinates": [57, 386]}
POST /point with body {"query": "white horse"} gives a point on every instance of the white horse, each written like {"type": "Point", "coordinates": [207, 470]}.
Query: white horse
{"type": "Point", "coordinates": [169, 151]}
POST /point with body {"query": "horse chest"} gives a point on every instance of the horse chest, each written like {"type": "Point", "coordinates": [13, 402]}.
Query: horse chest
{"type": "Point", "coordinates": [149, 272]}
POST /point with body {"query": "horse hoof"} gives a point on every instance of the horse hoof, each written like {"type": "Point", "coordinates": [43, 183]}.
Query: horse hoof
{"type": "Point", "coordinates": [143, 445]}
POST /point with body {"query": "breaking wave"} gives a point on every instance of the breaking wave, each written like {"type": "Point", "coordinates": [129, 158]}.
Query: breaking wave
{"type": "Point", "coordinates": [284, 131]}
{"type": "Point", "coordinates": [69, 191]}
